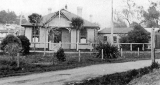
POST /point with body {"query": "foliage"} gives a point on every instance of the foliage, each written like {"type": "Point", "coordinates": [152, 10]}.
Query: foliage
{"type": "Point", "coordinates": [61, 55]}
{"type": "Point", "coordinates": [154, 65]}
{"type": "Point", "coordinates": [137, 35]}
{"type": "Point", "coordinates": [77, 23]}
{"type": "Point", "coordinates": [152, 16]}
{"type": "Point", "coordinates": [9, 17]}
{"type": "Point", "coordinates": [109, 51]}
{"type": "Point", "coordinates": [12, 49]}
{"type": "Point", "coordinates": [25, 44]}
{"type": "Point", "coordinates": [35, 18]}
{"type": "Point", "coordinates": [10, 39]}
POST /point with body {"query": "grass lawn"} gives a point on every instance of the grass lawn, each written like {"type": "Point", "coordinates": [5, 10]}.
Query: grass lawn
{"type": "Point", "coordinates": [36, 62]}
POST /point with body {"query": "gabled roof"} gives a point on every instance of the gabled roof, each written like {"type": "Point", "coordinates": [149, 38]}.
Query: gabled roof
{"type": "Point", "coordinates": [115, 30]}
{"type": "Point", "coordinates": [68, 15]}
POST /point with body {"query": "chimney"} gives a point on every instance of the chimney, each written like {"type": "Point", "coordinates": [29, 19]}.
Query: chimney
{"type": "Point", "coordinates": [49, 10]}
{"type": "Point", "coordinates": [66, 7]}
{"type": "Point", "coordinates": [79, 11]}
{"type": "Point", "coordinates": [90, 16]}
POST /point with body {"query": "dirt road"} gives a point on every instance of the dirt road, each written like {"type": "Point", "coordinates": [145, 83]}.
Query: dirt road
{"type": "Point", "coordinates": [73, 75]}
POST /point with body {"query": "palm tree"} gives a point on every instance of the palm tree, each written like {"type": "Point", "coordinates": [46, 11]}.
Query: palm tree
{"type": "Point", "coordinates": [77, 23]}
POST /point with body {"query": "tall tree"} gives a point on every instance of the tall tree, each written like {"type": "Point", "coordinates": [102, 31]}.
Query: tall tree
{"type": "Point", "coordinates": [127, 13]}
{"type": "Point", "coordinates": [151, 16]}
{"type": "Point", "coordinates": [35, 19]}
{"type": "Point", "coordinates": [118, 22]}
{"type": "Point", "coordinates": [77, 23]}
{"type": "Point", "coordinates": [151, 19]}
{"type": "Point", "coordinates": [7, 17]}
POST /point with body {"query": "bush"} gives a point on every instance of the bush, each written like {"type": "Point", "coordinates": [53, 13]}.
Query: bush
{"type": "Point", "coordinates": [138, 35]}
{"type": "Point", "coordinates": [12, 49]}
{"type": "Point", "coordinates": [109, 51]}
{"type": "Point", "coordinates": [61, 55]}
{"type": "Point", "coordinates": [25, 44]}
{"type": "Point", "coordinates": [154, 65]}
{"type": "Point", "coordinates": [10, 39]}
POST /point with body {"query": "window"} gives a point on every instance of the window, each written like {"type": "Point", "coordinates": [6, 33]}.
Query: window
{"type": "Point", "coordinates": [35, 34]}
{"type": "Point", "coordinates": [83, 35]}
{"type": "Point", "coordinates": [105, 38]}
{"type": "Point", "coordinates": [115, 39]}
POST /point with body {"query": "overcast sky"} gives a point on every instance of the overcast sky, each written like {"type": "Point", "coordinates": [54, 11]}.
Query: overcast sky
{"type": "Point", "coordinates": [99, 9]}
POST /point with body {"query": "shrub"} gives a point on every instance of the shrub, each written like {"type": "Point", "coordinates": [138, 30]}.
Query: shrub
{"type": "Point", "coordinates": [154, 65]}
{"type": "Point", "coordinates": [61, 55]}
{"type": "Point", "coordinates": [109, 51]}
{"type": "Point", "coordinates": [137, 35]}
{"type": "Point", "coordinates": [12, 49]}
{"type": "Point", "coordinates": [10, 39]}
{"type": "Point", "coordinates": [25, 44]}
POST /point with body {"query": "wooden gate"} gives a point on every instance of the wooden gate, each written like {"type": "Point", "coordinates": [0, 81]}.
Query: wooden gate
{"type": "Point", "coordinates": [54, 46]}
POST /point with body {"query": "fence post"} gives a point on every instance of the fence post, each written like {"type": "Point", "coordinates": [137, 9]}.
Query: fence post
{"type": "Point", "coordinates": [18, 59]}
{"type": "Point", "coordinates": [138, 51]}
{"type": "Point", "coordinates": [121, 52]}
{"type": "Point", "coordinates": [77, 45]}
{"type": "Point", "coordinates": [102, 54]}
{"type": "Point", "coordinates": [44, 49]}
{"type": "Point", "coordinates": [91, 46]}
{"type": "Point", "coordinates": [79, 54]}
{"type": "Point", "coordinates": [118, 46]}
{"type": "Point", "coordinates": [60, 44]}
{"type": "Point", "coordinates": [131, 47]}
{"type": "Point", "coordinates": [34, 46]}
{"type": "Point", "coordinates": [143, 47]}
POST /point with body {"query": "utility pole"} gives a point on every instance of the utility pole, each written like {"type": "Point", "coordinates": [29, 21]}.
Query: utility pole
{"type": "Point", "coordinates": [20, 20]}
{"type": "Point", "coordinates": [112, 22]}
{"type": "Point", "coordinates": [153, 45]}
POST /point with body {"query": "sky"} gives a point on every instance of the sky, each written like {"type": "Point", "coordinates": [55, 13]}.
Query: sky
{"type": "Point", "coordinates": [99, 9]}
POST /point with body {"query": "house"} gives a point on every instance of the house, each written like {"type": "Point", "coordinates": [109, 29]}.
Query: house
{"type": "Point", "coordinates": [4, 32]}
{"type": "Point", "coordinates": [6, 29]}
{"type": "Point", "coordinates": [56, 27]}
{"type": "Point", "coordinates": [105, 34]}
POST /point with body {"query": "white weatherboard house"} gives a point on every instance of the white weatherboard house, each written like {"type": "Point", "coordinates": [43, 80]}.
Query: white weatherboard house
{"type": "Point", "coordinates": [62, 22]}
{"type": "Point", "coordinates": [105, 34]}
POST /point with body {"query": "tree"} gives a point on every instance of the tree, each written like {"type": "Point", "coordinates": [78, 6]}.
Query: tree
{"type": "Point", "coordinates": [7, 17]}
{"type": "Point", "coordinates": [23, 21]}
{"type": "Point", "coordinates": [151, 19]}
{"type": "Point", "coordinates": [25, 44]}
{"type": "Point", "coordinates": [131, 12]}
{"type": "Point", "coordinates": [35, 19]}
{"type": "Point", "coordinates": [152, 16]}
{"type": "Point", "coordinates": [11, 45]}
{"type": "Point", "coordinates": [137, 35]}
{"type": "Point", "coordinates": [77, 23]}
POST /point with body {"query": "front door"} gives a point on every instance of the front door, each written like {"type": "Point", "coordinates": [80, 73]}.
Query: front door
{"type": "Point", "coordinates": [66, 38]}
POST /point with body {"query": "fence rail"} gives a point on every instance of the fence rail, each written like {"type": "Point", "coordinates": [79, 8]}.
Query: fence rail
{"type": "Point", "coordinates": [90, 46]}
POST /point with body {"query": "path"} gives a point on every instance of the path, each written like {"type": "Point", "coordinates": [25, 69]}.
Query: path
{"type": "Point", "coordinates": [72, 75]}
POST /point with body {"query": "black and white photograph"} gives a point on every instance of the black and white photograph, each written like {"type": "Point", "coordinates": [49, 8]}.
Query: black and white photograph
{"type": "Point", "coordinates": [79, 42]}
